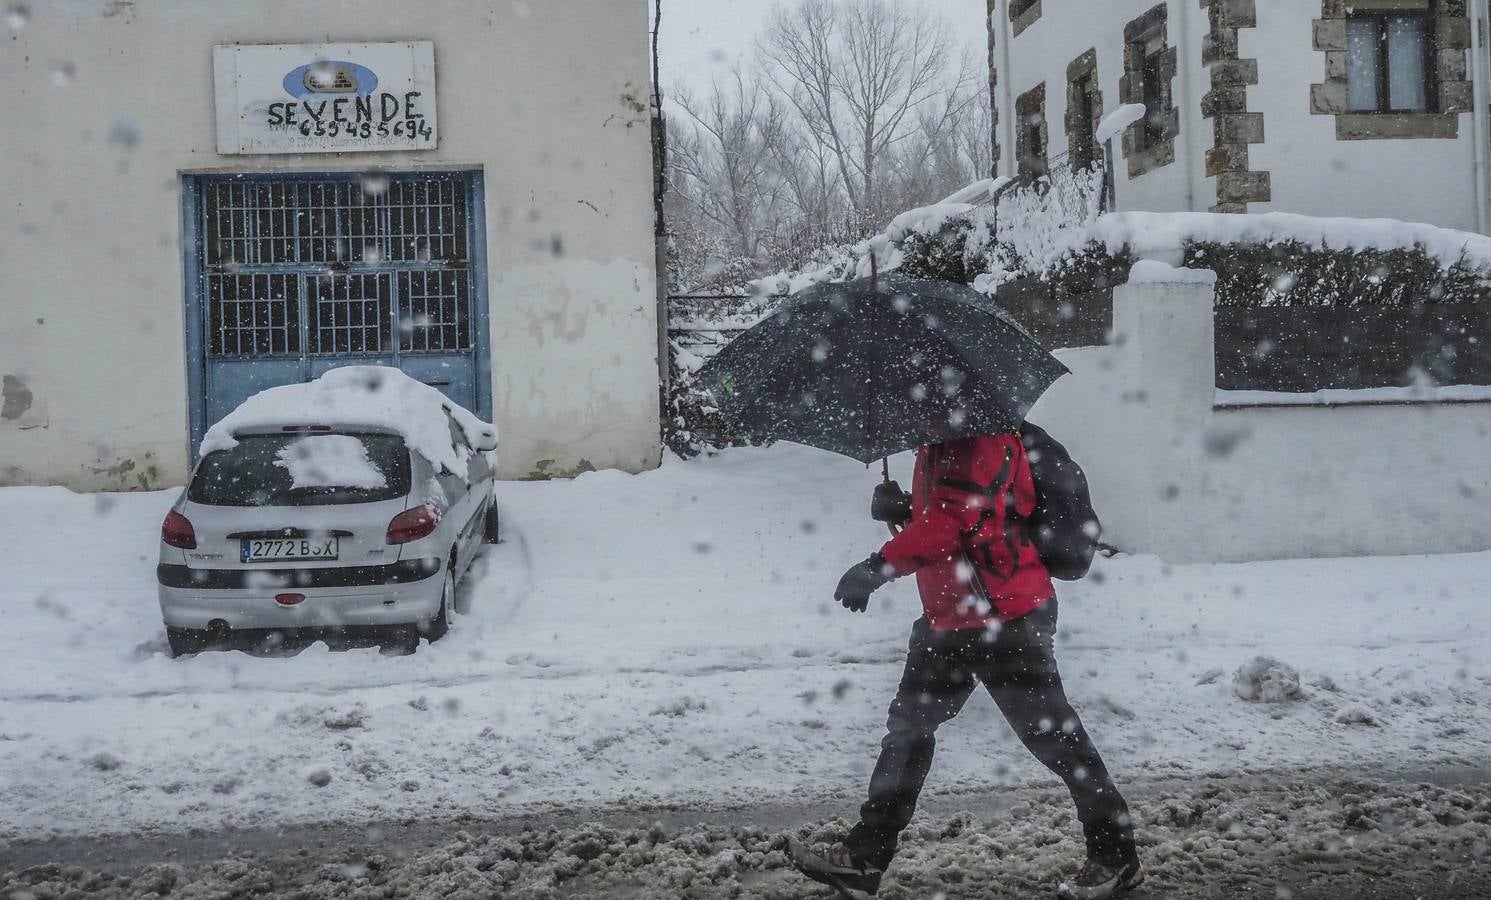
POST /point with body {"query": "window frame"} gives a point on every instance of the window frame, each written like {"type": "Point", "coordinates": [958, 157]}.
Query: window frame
{"type": "Point", "coordinates": [1023, 14]}
{"type": "Point", "coordinates": [1149, 144]}
{"type": "Point", "coordinates": [1381, 18]}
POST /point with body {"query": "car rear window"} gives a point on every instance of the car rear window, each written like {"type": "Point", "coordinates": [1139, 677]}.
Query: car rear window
{"type": "Point", "coordinates": [301, 469]}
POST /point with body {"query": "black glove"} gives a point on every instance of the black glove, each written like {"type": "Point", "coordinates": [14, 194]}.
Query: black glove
{"type": "Point", "coordinates": [890, 504]}
{"type": "Point", "coordinates": [862, 580]}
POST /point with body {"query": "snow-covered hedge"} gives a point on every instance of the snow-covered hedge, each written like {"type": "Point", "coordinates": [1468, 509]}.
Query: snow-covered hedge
{"type": "Point", "coordinates": [995, 232]}
{"type": "Point", "coordinates": [1271, 259]}
{"type": "Point", "coordinates": [1296, 274]}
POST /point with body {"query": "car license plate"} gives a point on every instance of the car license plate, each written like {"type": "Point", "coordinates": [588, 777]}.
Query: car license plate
{"type": "Point", "coordinates": [276, 549]}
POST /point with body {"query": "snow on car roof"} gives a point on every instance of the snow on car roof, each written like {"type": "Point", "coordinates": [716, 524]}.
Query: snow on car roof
{"type": "Point", "coordinates": [362, 396]}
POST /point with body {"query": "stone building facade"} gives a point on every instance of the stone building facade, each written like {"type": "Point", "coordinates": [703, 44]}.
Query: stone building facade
{"type": "Point", "coordinates": [1366, 108]}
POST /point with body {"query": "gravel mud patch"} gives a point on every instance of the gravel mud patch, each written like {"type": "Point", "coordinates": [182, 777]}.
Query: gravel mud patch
{"type": "Point", "coordinates": [1211, 837]}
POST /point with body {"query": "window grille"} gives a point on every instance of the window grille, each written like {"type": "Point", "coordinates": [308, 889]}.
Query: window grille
{"type": "Point", "coordinates": [329, 265]}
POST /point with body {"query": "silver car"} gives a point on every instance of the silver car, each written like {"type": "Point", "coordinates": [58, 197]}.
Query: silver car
{"type": "Point", "coordinates": [321, 530]}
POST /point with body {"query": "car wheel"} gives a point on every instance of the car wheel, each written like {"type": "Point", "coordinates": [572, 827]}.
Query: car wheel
{"type": "Point", "coordinates": [493, 522]}
{"type": "Point", "coordinates": [185, 641]}
{"type": "Point", "coordinates": [438, 626]}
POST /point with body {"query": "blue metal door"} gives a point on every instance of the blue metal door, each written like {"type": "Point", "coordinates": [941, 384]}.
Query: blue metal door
{"type": "Point", "coordinates": [289, 275]}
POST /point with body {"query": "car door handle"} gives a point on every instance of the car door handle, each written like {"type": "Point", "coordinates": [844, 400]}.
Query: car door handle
{"type": "Point", "coordinates": [445, 383]}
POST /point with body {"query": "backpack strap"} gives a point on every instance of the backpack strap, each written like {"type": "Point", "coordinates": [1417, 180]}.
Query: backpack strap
{"type": "Point", "coordinates": [991, 492]}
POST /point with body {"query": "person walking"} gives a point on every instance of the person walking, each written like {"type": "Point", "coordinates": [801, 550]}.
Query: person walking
{"type": "Point", "coordinates": [989, 618]}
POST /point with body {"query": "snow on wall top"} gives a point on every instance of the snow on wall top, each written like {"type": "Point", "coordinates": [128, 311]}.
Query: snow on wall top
{"type": "Point", "coordinates": [1146, 232]}
{"type": "Point", "coordinates": [1115, 122]}
{"type": "Point", "coordinates": [368, 396]}
{"type": "Point", "coordinates": [1151, 271]}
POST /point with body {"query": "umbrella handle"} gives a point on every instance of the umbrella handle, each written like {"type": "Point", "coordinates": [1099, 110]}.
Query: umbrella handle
{"type": "Point", "coordinates": [885, 476]}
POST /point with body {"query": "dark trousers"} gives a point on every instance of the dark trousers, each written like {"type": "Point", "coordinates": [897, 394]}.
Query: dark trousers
{"type": "Point", "coordinates": [1017, 665]}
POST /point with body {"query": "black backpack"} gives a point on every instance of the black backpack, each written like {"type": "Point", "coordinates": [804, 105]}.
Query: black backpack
{"type": "Point", "coordinates": [1063, 527]}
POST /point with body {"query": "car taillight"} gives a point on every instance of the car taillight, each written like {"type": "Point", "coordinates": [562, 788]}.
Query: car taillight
{"type": "Point", "coordinates": [413, 524]}
{"type": "Point", "coordinates": [178, 532]}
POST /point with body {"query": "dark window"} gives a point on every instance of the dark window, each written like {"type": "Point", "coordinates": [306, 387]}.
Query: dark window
{"type": "Point", "coordinates": [1389, 62]}
{"type": "Point", "coordinates": [1035, 139]}
{"type": "Point", "coordinates": [1083, 141]}
{"type": "Point", "coordinates": [1030, 135]}
{"type": "Point", "coordinates": [300, 469]}
{"type": "Point", "coordinates": [1151, 53]}
{"type": "Point", "coordinates": [1019, 8]}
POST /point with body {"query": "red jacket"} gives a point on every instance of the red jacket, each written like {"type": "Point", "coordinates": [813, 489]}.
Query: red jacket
{"type": "Point", "coordinates": [966, 541]}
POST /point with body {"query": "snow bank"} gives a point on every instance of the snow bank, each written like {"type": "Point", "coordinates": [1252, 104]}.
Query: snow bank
{"type": "Point", "coordinates": [847, 263]}
{"type": "Point", "coordinates": [1144, 233]}
{"type": "Point", "coordinates": [1264, 679]}
{"type": "Point", "coordinates": [368, 396]}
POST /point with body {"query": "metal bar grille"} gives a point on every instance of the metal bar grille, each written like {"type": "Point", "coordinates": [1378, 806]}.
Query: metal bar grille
{"type": "Point", "coordinates": [349, 313]}
{"type": "Point", "coordinates": [435, 311]}
{"type": "Point", "coordinates": [295, 221]}
{"type": "Point", "coordinates": [364, 251]}
{"type": "Point", "coordinates": [253, 315]}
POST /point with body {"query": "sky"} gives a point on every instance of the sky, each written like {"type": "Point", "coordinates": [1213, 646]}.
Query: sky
{"type": "Point", "coordinates": [700, 38]}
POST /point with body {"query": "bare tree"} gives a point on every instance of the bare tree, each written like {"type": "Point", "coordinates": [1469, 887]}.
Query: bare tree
{"type": "Point", "coordinates": [853, 111]}
{"type": "Point", "coordinates": [948, 150]}
{"type": "Point", "coordinates": [860, 76]}
{"type": "Point", "coordinates": [723, 158]}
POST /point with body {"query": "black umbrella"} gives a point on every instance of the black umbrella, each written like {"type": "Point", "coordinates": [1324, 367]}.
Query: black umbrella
{"type": "Point", "coordinates": [872, 367]}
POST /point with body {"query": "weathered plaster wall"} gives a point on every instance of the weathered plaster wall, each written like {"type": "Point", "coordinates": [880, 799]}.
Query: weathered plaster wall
{"type": "Point", "coordinates": [108, 102]}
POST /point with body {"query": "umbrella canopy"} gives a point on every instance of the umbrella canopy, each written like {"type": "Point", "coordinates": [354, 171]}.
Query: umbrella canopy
{"type": "Point", "coordinates": [872, 367]}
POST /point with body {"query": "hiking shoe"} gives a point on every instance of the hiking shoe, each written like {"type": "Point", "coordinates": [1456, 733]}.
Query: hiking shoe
{"type": "Point", "coordinates": [1099, 881]}
{"type": "Point", "coordinates": [836, 867]}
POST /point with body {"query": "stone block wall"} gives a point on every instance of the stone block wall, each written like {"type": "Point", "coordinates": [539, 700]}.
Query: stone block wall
{"type": "Point", "coordinates": [1234, 127]}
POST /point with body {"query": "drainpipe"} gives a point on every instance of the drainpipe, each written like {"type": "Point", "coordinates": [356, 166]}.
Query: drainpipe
{"type": "Point", "coordinates": [659, 224]}
{"type": "Point", "coordinates": [1007, 157]}
{"type": "Point", "coordinates": [1480, 75]}
{"type": "Point", "coordinates": [1189, 105]}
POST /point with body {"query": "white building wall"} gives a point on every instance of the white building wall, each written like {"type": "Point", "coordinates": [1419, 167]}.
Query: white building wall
{"type": "Point", "coordinates": [1067, 29]}
{"type": "Point", "coordinates": [108, 103]}
{"type": "Point", "coordinates": [1192, 82]}
{"type": "Point", "coordinates": [1420, 180]}
{"type": "Point", "coordinates": [1174, 475]}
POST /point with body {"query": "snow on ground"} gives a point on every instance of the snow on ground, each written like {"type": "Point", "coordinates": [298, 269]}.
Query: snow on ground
{"type": "Point", "coordinates": [672, 638]}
